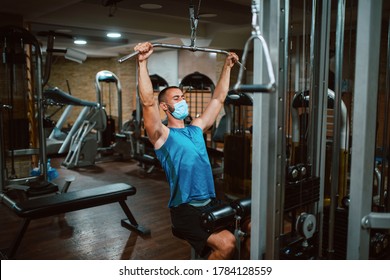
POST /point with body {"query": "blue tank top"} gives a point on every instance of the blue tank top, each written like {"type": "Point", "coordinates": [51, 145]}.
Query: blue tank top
{"type": "Point", "coordinates": [186, 164]}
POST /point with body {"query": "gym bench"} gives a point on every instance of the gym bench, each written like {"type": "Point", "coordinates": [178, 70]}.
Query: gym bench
{"type": "Point", "coordinates": [71, 201]}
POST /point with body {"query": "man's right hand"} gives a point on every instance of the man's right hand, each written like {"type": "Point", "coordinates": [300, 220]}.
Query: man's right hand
{"type": "Point", "coordinates": [144, 49]}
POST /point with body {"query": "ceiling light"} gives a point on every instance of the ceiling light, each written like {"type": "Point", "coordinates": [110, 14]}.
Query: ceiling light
{"type": "Point", "coordinates": [151, 6]}
{"type": "Point", "coordinates": [80, 42]}
{"type": "Point", "coordinates": [114, 35]}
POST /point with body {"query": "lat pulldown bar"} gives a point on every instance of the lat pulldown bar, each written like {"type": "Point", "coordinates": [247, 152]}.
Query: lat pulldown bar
{"type": "Point", "coordinates": [179, 47]}
{"type": "Point", "coordinates": [256, 34]}
{"type": "Point", "coordinates": [171, 46]}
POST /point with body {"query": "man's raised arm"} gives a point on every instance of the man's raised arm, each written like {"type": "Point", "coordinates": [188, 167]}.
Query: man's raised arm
{"type": "Point", "coordinates": [151, 112]}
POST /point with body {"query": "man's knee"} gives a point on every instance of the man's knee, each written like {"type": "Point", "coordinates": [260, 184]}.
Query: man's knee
{"type": "Point", "coordinates": [228, 246]}
{"type": "Point", "coordinates": [223, 244]}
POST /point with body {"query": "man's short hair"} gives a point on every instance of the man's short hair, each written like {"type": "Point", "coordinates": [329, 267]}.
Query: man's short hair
{"type": "Point", "coordinates": [161, 95]}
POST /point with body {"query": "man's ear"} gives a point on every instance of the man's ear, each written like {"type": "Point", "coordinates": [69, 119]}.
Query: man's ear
{"type": "Point", "coordinates": [163, 106]}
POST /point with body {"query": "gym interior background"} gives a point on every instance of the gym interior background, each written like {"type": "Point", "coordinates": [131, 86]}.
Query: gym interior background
{"type": "Point", "coordinates": [305, 139]}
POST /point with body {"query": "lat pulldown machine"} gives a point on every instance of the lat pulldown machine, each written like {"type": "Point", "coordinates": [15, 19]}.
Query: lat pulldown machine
{"type": "Point", "coordinates": [218, 216]}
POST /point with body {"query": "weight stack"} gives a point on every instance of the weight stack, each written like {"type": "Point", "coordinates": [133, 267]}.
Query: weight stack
{"type": "Point", "coordinates": [301, 193]}
{"type": "Point", "coordinates": [340, 233]}
{"type": "Point", "coordinates": [379, 240]}
{"type": "Point", "coordinates": [237, 165]}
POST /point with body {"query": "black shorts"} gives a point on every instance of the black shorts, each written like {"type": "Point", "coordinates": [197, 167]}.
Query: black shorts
{"type": "Point", "coordinates": [186, 224]}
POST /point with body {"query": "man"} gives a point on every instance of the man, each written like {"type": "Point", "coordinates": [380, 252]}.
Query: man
{"type": "Point", "coordinates": [183, 155]}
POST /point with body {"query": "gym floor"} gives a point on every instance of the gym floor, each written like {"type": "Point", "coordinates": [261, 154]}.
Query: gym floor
{"type": "Point", "coordinates": [96, 233]}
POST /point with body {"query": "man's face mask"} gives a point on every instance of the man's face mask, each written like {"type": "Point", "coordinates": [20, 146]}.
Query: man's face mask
{"type": "Point", "coordinates": [181, 110]}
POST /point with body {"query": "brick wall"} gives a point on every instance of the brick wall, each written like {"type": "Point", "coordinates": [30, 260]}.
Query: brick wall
{"type": "Point", "coordinates": [81, 78]}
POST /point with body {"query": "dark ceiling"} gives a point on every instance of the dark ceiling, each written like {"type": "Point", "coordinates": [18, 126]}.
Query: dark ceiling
{"type": "Point", "coordinates": [223, 24]}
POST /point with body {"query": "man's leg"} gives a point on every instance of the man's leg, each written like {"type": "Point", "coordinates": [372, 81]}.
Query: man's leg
{"type": "Point", "coordinates": [223, 245]}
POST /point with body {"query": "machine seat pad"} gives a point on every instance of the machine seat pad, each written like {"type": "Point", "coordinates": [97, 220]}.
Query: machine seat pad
{"type": "Point", "coordinates": [72, 201]}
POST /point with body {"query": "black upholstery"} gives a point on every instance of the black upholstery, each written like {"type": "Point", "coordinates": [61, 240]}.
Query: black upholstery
{"type": "Point", "coordinates": [218, 218]}
{"type": "Point", "coordinates": [242, 207]}
{"type": "Point", "coordinates": [72, 201]}
{"type": "Point", "coordinates": [223, 216]}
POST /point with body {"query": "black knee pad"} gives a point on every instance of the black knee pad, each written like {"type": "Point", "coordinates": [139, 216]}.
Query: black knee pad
{"type": "Point", "coordinates": [242, 207]}
{"type": "Point", "coordinates": [218, 218]}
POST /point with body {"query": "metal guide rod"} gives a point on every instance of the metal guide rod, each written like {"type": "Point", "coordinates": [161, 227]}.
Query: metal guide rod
{"type": "Point", "coordinates": [256, 34]}
{"type": "Point", "coordinates": [385, 141]}
{"type": "Point", "coordinates": [179, 47]}
{"type": "Point", "coordinates": [335, 197]}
